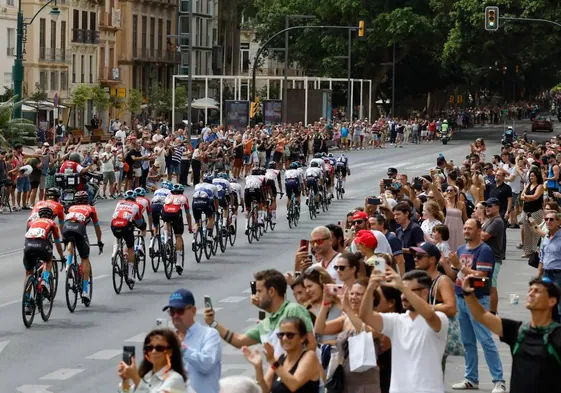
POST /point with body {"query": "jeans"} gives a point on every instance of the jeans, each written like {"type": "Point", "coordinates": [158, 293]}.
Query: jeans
{"type": "Point", "coordinates": [472, 332]}
{"type": "Point", "coordinates": [555, 276]}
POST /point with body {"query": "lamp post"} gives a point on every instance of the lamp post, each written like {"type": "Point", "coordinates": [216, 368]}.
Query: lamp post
{"type": "Point", "coordinates": [287, 19]}
{"type": "Point", "coordinates": [17, 69]}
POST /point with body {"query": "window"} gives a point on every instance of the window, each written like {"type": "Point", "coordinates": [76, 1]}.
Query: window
{"type": "Point", "coordinates": [183, 25]}
{"type": "Point", "coordinates": [160, 34]}
{"type": "Point", "coordinates": [91, 69]}
{"type": "Point", "coordinates": [214, 36]}
{"type": "Point", "coordinates": [92, 21]}
{"type": "Point", "coordinates": [63, 80]}
{"type": "Point", "coordinates": [210, 10]}
{"type": "Point", "coordinates": [152, 36]}
{"type": "Point", "coordinates": [63, 38]}
{"type": "Point", "coordinates": [82, 78]}
{"type": "Point", "coordinates": [200, 32]}
{"type": "Point", "coordinates": [53, 34]}
{"type": "Point", "coordinates": [245, 61]}
{"type": "Point", "coordinates": [84, 20]}
{"type": "Point", "coordinates": [185, 5]}
{"type": "Point", "coordinates": [10, 2]}
{"type": "Point", "coordinates": [43, 82]}
{"type": "Point", "coordinates": [8, 79]}
{"type": "Point", "coordinates": [134, 34]}
{"type": "Point", "coordinates": [42, 38]}
{"type": "Point", "coordinates": [143, 42]}
{"type": "Point", "coordinates": [54, 80]}
{"type": "Point", "coordinates": [168, 28]}
{"type": "Point", "coordinates": [76, 19]}
{"type": "Point", "coordinates": [11, 42]}
{"type": "Point", "coordinates": [73, 68]}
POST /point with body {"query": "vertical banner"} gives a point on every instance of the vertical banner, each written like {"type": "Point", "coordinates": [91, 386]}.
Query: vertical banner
{"type": "Point", "coordinates": [236, 114]}
{"type": "Point", "coordinates": [272, 112]}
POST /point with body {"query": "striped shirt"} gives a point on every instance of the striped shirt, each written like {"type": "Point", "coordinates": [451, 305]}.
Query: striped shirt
{"type": "Point", "coordinates": [177, 153]}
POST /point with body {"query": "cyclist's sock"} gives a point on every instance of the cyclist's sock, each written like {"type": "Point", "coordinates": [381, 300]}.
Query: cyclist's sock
{"type": "Point", "coordinates": [85, 286]}
{"type": "Point", "coordinates": [246, 223]}
{"type": "Point", "coordinates": [115, 247]}
{"type": "Point", "coordinates": [260, 215]}
{"type": "Point", "coordinates": [274, 215]}
{"type": "Point", "coordinates": [131, 270]}
{"type": "Point", "coordinates": [178, 257]}
{"type": "Point", "coordinates": [69, 260]}
{"type": "Point", "coordinates": [152, 242]}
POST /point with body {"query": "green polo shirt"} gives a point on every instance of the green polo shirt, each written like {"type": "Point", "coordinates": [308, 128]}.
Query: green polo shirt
{"type": "Point", "coordinates": [272, 322]}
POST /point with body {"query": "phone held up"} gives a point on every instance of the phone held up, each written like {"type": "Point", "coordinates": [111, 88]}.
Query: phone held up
{"type": "Point", "coordinates": [208, 302]}
{"type": "Point", "coordinates": [480, 283]}
{"type": "Point", "coordinates": [128, 354]}
{"type": "Point", "coordinates": [253, 287]}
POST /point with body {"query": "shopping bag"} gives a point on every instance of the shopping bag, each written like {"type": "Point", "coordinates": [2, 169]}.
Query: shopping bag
{"type": "Point", "coordinates": [362, 354]}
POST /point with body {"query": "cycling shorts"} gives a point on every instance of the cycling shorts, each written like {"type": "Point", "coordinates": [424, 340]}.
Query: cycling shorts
{"type": "Point", "coordinates": [202, 205]}
{"type": "Point", "coordinates": [292, 186]}
{"type": "Point", "coordinates": [36, 251]}
{"type": "Point", "coordinates": [224, 201]}
{"type": "Point", "coordinates": [126, 233]}
{"type": "Point", "coordinates": [312, 182]}
{"type": "Point", "coordinates": [76, 232]}
{"type": "Point", "coordinates": [252, 194]}
{"type": "Point", "coordinates": [176, 220]}
{"type": "Point", "coordinates": [272, 188]}
{"type": "Point", "coordinates": [157, 213]}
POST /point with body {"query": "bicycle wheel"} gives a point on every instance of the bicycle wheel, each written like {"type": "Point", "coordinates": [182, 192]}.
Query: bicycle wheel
{"type": "Point", "coordinates": [117, 272]}
{"type": "Point", "coordinates": [54, 274]}
{"type": "Point", "coordinates": [290, 215]}
{"type": "Point", "coordinates": [181, 262]}
{"type": "Point", "coordinates": [256, 227]}
{"type": "Point", "coordinates": [170, 250]}
{"type": "Point", "coordinates": [44, 297]}
{"type": "Point", "coordinates": [233, 232]}
{"type": "Point", "coordinates": [312, 206]}
{"type": "Point", "coordinates": [72, 285]}
{"type": "Point", "coordinates": [250, 225]}
{"type": "Point", "coordinates": [216, 241]}
{"type": "Point", "coordinates": [208, 246]}
{"type": "Point", "coordinates": [28, 301]}
{"type": "Point", "coordinates": [198, 244]}
{"type": "Point", "coordinates": [222, 238]}
{"type": "Point", "coordinates": [155, 253]}
{"type": "Point", "coordinates": [323, 202]}
{"type": "Point", "coordinates": [140, 262]}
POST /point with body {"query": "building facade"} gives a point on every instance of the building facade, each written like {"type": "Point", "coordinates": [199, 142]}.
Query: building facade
{"type": "Point", "coordinates": [8, 24]}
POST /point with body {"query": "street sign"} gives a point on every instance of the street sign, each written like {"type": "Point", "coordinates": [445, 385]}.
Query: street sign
{"type": "Point", "coordinates": [121, 92]}
{"type": "Point", "coordinates": [113, 91]}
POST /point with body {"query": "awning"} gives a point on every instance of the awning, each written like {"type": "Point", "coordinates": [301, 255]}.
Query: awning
{"type": "Point", "coordinates": [205, 103]}
{"type": "Point", "coordinates": [42, 105]}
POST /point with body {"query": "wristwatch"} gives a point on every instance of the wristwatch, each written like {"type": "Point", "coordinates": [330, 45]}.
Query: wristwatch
{"type": "Point", "coordinates": [275, 365]}
{"type": "Point", "coordinates": [213, 325]}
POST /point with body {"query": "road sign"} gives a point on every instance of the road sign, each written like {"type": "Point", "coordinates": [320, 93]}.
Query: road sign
{"type": "Point", "coordinates": [121, 92]}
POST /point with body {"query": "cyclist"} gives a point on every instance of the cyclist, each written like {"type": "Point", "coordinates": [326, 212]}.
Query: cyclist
{"type": "Point", "coordinates": [75, 222]}
{"type": "Point", "coordinates": [128, 214]}
{"type": "Point", "coordinates": [38, 245]}
{"type": "Point", "coordinates": [205, 200]}
{"type": "Point", "coordinates": [253, 191]}
{"type": "Point", "coordinates": [342, 167]}
{"type": "Point", "coordinates": [329, 175]}
{"type": "Point", "coordinates": [145, 202]}
{"type": "Point", "coordinates": [293, 183]}
{"type": "Point", "coordinates": [52, 195]}
{"type": "Point", "coordinates": [224, 190]}
{"type": "Point", "coordinates": [272, 179]}
{"type": "Point", "coordinates": [314, 179]}
{"type": "Point", "coordinates": [157, 205]}
{"type": "Point", "coordinates": [236, 197]}
{"type": "Point", "coordinates": [172, 215]}
{"type": "Point", "coordinates": [72, 165]}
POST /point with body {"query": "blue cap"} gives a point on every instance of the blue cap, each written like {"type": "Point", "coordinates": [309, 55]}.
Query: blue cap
{"type": "Point", "coordinates": [181, 298]}
{"type": "Point", "coordinates": [427, 249]}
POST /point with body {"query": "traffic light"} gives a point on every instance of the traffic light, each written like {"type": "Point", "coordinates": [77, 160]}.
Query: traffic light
{"type": "Point", "coordinates": [253, 110]}
{"type": "Point", "coordinates": [361, 30]}
{"type": "Point", "coordinates": [492, 18]}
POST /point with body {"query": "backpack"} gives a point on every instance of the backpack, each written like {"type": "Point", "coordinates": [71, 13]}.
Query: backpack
{"type": "Point", "coordinates": [550, 348]}
{"type": "Point", "coordinates": [164, 130]}
{"type": "Point", "coordinates": [59, 130]}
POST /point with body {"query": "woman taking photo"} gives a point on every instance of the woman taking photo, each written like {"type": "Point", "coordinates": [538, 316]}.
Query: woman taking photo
{"type": "Point", "coordinates": [296, 371]}
{"type": "Point", "coordinates": [532, 198]}
{"type": "Point", "coordinates": [432, 216]}
{"type": "Point", "coordinates": [161, 370]}
{"type": "Point", "coordinates": [455, 217]}
{"type": "Point", "coordinates": [348, 267]}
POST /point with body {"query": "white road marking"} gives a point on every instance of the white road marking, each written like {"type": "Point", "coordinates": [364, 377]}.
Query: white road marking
{"type": "Point", "coordinates": [105, 354]}
{"type": "Point", "coordinates": [233, 299]}
{"type": "Point", "coordinates": [9, 304]}
{"type": "Point", "coordinates": [248, 290]}
{"type": "Point", "coordinates": [252, 320]}
{"type": "Point", "coordinates": [139, 338]}
{"type": "Point", "coordinates": [420, 166]}
{"type": "Point", "coordinates": [62, 374]}
{"type": "Point", "coordinates": [34, 389]}
{"type": "Point", "coordinates": [245, 368]}
{"type": "Point", "coordinates": [3, 345]}
{"type": "Point", "coordinates": [201, 311]}
{"type": "Point", "coordinates": [101, 276]}
{"type": "Point", "coordinates": [402, 164]}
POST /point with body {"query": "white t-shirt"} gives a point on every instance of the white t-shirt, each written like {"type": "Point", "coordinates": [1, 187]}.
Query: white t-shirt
{"type": "Point", "coordinates": [331, 269]}
{"type": "Point", "coordinates": [416, 353]}
{"type": "Point", "coordinates": [107, 166]}
{"type": "Point", "coordinates": [515, 184]}
{"type": "Point", "coordinates": [121, 136]}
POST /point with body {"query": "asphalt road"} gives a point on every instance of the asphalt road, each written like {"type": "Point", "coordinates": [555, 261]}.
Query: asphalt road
{"type": "Point", "coordinates": [80, 351]}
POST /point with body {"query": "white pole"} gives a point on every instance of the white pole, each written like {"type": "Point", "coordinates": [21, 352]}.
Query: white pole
{"type": "Point", "coordinates": [361, 112]}
{"type": "Point", "coordinates": [370, 101]}
{"type": "Point", "coordinates": [268, 88]}
{"type": "Point", "coordinates": [221, 99]}
{"type": "Point", "coordinates": [206, 96]}
{"type": "Point", "coordinates": [330, 84]}
{"type": "Point", "coordinates": [235, 88]}
{"type": "Point", "coordinates": [281, 90]}
{"type": "Point", "coordinates": [306, 103]}
{"type": "Point", "coordinates": [173, 102]}
{"type": "Point", "coordinates": [352, 96]}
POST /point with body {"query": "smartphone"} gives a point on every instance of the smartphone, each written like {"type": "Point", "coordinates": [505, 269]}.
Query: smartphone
{"type": "Point", "coordinates": [335, 289]}
{"type": "Point", "coordinates": [377, 263]}
{"type": "Point", "coordinates": [262, 315]}
{"type": "Point", "coordinates": [374, 201]}
{"type": "Point", "coordinates": [253, 287]}
{"type": "Point", "coordinates": [128, 354]}
{"type": "Point", "coordinates": [480, 283]}
{"type": "Point", "coordinates": [208, 302]}
{"type": "Point", "coordinates": [304, 243]}
{"type": "Point", "coordinates": [387, 182]}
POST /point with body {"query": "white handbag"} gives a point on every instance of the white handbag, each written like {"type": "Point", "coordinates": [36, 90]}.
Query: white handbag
{"type": "Point", "coordinates": [362, 353]}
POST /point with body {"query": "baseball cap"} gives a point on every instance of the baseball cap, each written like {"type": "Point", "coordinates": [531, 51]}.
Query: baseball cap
{"type": "Point", "coordinates": [359, 215]}
{"type": "Point", "coordinates": [491, 201]}
{"type": "Point", "coordinates": [392, 171]}
{"type": "Point", "coordinates": [181, 298]}
{"type": "Point", "coordinates": [366, 238]}
{"type": "Point", "coordinates": [428, 249]}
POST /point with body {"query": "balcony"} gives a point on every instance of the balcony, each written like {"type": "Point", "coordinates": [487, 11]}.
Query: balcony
{"type": "Point", "coordinates": [110, 76]}
{"type": "Point", "coordinates": [82, 36]}
{"type": "Point", "coordinates": [156, 55]}
{"type": "Point", "coordinates": [54, 55]}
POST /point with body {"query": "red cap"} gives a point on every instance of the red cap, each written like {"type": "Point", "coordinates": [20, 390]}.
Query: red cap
{"type": "Point", "coordinates": [359, 215]}
{"type": "Point", "coordinates": [366, 238]}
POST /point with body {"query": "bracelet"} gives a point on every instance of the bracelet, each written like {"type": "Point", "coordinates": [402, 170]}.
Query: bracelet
{"type": "Point", "coordinates": [327, 304]}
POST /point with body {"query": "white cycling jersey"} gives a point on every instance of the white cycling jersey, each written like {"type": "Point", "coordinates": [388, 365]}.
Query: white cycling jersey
{"type": "Point", "coordinates": [292, 174]}
{"type": "Point", "coordinates": [320, 162]}
{"type": "Point", "coordinates": [237, 189]}
{"type": "Point", "coordinates": [314, 172]}
{"type": "Point", "coordinates": [222, 184]}
{"type": "Point", "coordinates": [272, 174]}
{"type": "Point", "coordinates": [205, 191]}
{"type": "Point", "coordinates": [160, 196]}
{"type": "Point", "coordinates": [253, 182]}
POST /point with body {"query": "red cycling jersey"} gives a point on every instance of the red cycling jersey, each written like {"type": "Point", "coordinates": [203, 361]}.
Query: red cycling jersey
{"type": "Point", "coordinates": [42, 228]}
{"type": "Point", "coordinates": [82, 214]}
{"type": "Point", "coordinates": [146, 203]}
{"type": "Point", "coordinates": [56, 207]}
{"type": "Point", "coordinates": [126, 212]}
{"type": "Point", "coordinates": [174, 203]}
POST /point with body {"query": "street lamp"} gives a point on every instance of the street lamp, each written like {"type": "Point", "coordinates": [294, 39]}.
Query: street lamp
{"type": "Point", "coordinates": [17, 69]}
{"type": "Point", "coordinates": [287, 19]}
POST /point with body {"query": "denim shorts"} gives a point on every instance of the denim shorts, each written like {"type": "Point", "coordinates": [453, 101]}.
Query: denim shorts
{"type": "Point", "coordinates": [23, 184]}
{"type": "Point", "coordinates": [173, 169]}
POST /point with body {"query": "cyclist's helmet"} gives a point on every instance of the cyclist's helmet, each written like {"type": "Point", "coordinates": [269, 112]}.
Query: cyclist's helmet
{"type": "Point", "coordinates": [129, 194]}
{"type": "Point", "coordinates": [81, 198]}
{"type": "Point", "coordinates": [178, 189]}
{"type": "Point", "coordinates": [343, 155]}
{"type": "Point", "coordinates": [272, 165]}
{"type": "Point", "coordinates": [314, 164]}
{"type": "Point", "coordinates": [208, 178]}
{"type": "Point", "coordinates": [167, 185]}
{"type": "Point", "coordinates": [262, 171]}
{"type": "Point", "coordinates": [75, 157]}
{"type": "Point", "coordinates": [301, 156]}
{"type": "Point", "coordinates": [317, 155]}
{"type": "Point", "coordinates": [445, 121]}
{"type": "Point", "coordinates": [140, 191]}
{"type": "Point", "coordinates": [46, 212]}
{"type": "Point", "coordinates": [233, 180]}
{"type": "Point", "coordinates": [330, 155]}
{"type": "Point", "coordinates": [223, 175]}
{"type": "Point", "coordinates": [255, 171]}
{"type": "Point", "coordinates": [294, 165]}
{"type": "Point", "coordinates": [53, 193]}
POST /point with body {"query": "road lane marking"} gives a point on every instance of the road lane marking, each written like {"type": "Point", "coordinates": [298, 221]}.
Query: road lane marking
{"type": "Point", "coordinates": [233, 299]}
{"type": "Point", "coordinates": [9, 304]}
{"type": "Point", "coordinates": [34, 389]}
{"type": "Point", "coordinates": [139, 338]}
{"type": "Point", "coordinates": [247, 370]}
{"type": "Point", "coordinates": [420, 166]}
{"type": "Point", "coordinates": [201, 311]}
{"type": "Point", "coordinates": [3, 345]}
{"type": "Point", "coordinates": [248, 290]}
{"type": "Point", "coordinates": [62, 374]}
{"type": "Point", "coordinates": [105, 354]}
{"type": "Point", "coordinates": [402, 164]}
{"type": "Point", "coordinates": [252, 320]}
{"type": "Point", "coordinates": [101, 276]}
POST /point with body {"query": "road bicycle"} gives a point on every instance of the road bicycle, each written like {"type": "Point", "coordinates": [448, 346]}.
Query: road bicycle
{"type": "Point", "coordinates": [35, 296]}
{"type": "Point", "coordinates": [74, 283]}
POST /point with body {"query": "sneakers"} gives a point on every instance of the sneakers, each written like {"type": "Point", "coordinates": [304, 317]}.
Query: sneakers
{"type": "Point", "coordinates": [500, 387]}
{"type": "Point", "coordinates": [466, 385]}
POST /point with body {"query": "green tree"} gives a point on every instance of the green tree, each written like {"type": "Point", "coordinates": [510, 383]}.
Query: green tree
{"type": "Point", "coordinates": [134, 101]}
{"type": "Point", "coordinates": [160, 99]}
{"type": "Point", "coordinates": [81, 94]}
{"type": "Point", "coordinates": [14, 131]}
{"type": "Point", "coordinates": [39, 94]}
{"type": "Point", "coordinates": [8, 93]}
{"type": "Point", "coordinates": [181, 98]}
{"type": "Point", "coordinates": [100, 98]}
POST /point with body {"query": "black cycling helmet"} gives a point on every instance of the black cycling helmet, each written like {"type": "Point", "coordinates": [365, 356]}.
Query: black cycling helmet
{"type": "Point", "coordinates": [273, 165]}
{"type": "Point", "coordinates": [81, 198]}
{"type": "Point", "coordinates": [53, 193]}
{"type": "Point", "coordinates": [76, 157]}
{"type": "Point", "coordinates": [255, 171]}
{"type": "Point", "coordinates": [314, 164]}
{"type": "Point", "coordinates": [46, 212]}
{"type": "Point", "coordinates": [318, 155]}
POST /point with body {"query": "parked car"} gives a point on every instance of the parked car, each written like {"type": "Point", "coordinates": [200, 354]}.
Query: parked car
{"type": "Point", "coordinates": [542, 123]}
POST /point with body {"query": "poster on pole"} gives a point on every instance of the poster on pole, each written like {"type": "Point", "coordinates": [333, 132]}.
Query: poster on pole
{"type": "Point", "coordinates": [272, 112]}
{"type": "Point", "coordinates": [236, 114]}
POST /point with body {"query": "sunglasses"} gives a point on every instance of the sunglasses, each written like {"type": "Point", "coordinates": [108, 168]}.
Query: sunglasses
{"type": "Point", "coordinates": [340, 267]}
{"type": "Point", "coordinates": [420, 256]}
{"type": "Point", "coordinates": [288, 335]}
{"type": "Point", "coordinates": [549, 219]}
{"type": "Point", "coordinates": [318, 242]}
{"type": "Point", "coordinates": [158, 348]}
{"type": "Point", "coordinates": [358, 222]}
{"type": "Point", "coordinates": [178, 311]}
{"type": "Point", "coordinates": [449, 190]}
